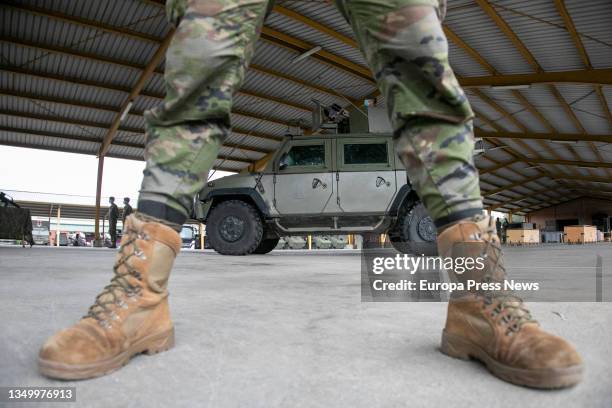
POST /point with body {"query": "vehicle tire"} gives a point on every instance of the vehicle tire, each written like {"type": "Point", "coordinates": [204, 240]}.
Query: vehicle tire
{"type": "Point", "coordinates": [266, 245]}
{"type": "Point", "coordinates": [415, 232]}
{"type": "Point", "coordinates": [234, 227]}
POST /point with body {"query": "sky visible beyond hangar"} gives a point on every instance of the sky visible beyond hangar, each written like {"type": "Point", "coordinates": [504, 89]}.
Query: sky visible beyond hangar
{"type": "Point", "coordinates": [49, 176]}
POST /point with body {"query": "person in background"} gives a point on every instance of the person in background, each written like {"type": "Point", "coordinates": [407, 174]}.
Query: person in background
{"type": "Point", "coordinates": [127, 209]}
{"type": "Point", "coordinates": [113, 216]}
{"type": "Point", "coordinates": [504, 229]}
{"type": "Point", "coordinates": [498, 228]}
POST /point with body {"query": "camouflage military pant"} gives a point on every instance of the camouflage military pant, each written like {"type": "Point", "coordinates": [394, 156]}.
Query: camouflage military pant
{"type": "Point", "coordinates": [407, 51]}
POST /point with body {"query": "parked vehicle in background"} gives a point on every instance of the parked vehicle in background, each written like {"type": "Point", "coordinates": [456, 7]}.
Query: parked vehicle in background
{"type": "Point", "coordinates": [296, 242]}
{"type": "Point", "coordinates": [190, 237]}
{"type": "Point", "coordinates": [339, 241]}
{"type": "Point", "coordinates": [325, 184]}
{"type": "Point", "coordinates": [282, 243]}
{"type": "Point", "coordinates": [40, 232]}
{"type": "Point", "coordinates": [63, 238]}
{"type": "Point", "coordinates": [322, 242]}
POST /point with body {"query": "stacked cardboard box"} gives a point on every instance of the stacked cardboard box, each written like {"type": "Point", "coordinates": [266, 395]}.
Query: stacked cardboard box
{"type": "Point", "coordinates": [580, 234]}
{"type": "Point", "coordinates": [522, 236]}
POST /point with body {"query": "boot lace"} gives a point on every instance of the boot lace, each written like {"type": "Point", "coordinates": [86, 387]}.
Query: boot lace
{"type": "Point", "coordinates": [514, 312]}
{"type": "Point", "coordinates": [120, 284]}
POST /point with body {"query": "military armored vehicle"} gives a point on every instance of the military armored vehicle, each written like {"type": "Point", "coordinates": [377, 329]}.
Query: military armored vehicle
{"type": "Point", "coordinates": [325, 184]}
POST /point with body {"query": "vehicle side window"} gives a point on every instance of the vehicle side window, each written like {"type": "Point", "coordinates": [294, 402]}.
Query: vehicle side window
{"type": "Point", "coordinates": [366, 153]}
{"type": "Point", "coordinates": [310, 155]}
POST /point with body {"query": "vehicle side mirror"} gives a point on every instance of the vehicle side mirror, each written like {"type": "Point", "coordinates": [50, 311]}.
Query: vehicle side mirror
{"type": "Point", "coordinates": [283, 162]}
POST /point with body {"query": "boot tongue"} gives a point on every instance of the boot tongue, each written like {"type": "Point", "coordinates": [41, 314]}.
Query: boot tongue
{"type": "Point", "coordinates": [123, 280]}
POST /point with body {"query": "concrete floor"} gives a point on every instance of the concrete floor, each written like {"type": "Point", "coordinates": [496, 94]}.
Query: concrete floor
{"type": "Point", "coordinates": [286, 329]}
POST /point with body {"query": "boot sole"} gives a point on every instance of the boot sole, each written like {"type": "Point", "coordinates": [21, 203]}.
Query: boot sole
{"type": "Point", "coordinates": [546, 378]}
{"type": "Point", "coordinates": [152, 344]}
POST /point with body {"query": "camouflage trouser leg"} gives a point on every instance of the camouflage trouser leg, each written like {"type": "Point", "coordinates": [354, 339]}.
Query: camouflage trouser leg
{"type": "Point", "coordinates": [407, 50]}
{"type": "Point", "coordinates": [205, 65]}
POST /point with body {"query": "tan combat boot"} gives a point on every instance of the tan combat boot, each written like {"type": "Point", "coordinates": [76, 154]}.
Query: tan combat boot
{"type": "Point", "coordinates": [494, 326]}
{"type": "Point", "coordinates": [129, 317]}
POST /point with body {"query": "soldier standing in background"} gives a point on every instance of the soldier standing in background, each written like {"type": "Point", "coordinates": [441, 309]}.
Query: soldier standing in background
{"type": "Point", "coordinates": [504, 230]}
{"type": "Point", "coordinates": [405, 46]}
{"type": "Point", "coordinates": [127, 209]}
{"type": "Point", "coordinates": [498, 228]}
{"type": "Point", "coordinates": [113, 216]}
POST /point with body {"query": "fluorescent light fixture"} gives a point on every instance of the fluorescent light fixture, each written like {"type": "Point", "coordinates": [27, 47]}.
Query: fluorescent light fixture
{"type": "Point", "coordinates": [564, 141]}
{"type": "Point", "coordinates": [306, 54]}
{"type": "Point", "coordinates": [126, 111]}
{"type": "Point", "coordinates": [511, 87]}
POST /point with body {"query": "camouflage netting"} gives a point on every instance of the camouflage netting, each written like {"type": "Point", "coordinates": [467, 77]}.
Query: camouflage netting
{"type": "Point", "coordinates": [15, 223]}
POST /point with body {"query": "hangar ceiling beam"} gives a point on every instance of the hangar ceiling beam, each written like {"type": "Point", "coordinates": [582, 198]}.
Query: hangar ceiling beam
{"type": "Point", "coordinates": [552, 176]}
{"type": "Point", "coordinates": [113, 109]}
{"type": "Point", "coordinates": [576, 163]}
{"type": "Point", "coordinates": [138, 87]}
{"type": "Point", "coordinates": [513, 185]}
{"type": "Point", "coordinates": [315, 25]}
{"type": "Point", "coordinates": [571, 28]}
{"type": "Point", "coordinates": [583, 76]}
{"type": "Point", "coordinates": [510, 151]}
{"type": "Point", "coordinates": [564, 137]}
{"type": "Point", "coordinates": [84, 22]}
{"type": "Point", "coordinates": [108, 108]}
{"type": "Point", "coordinates": [524, 197]}
{"type": "Point", "coordinates": [541, 205]}
{"type": "Point", "coordinates": [139, 67]}
{"type": "Point", "coordinates": [524, 51]}
{"type": "Point", "coordinates": [292, 43]}
{"type": "Point", "coordinates": [516, 93]}
{"type": "Point", "coordinates": [64, 136]}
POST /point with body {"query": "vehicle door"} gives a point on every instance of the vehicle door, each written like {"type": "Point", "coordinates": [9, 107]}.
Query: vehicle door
{"type": "Point", "coordinates": [366, 177]}
{"type": "Point", "coordinates": [303, 178]}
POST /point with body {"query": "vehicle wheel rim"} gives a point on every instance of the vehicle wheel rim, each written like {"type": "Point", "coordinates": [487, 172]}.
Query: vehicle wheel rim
{"type": "Point", "coordinates": [427, 229]}
{"type": "Point", "coordinates": [231, 228]}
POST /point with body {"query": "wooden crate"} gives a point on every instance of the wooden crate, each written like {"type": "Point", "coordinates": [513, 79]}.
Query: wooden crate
{"type": "Point", "coordinates": [579, 234]}
{"type": "Point", "coordinates": [522, 236]}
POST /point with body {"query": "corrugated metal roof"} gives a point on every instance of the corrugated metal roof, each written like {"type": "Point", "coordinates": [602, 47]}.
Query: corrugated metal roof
{"type": "Point", "coordinates": [592, 20]}
{"type": "Point", "coordinates": [475, 28]}
{"type": "Point", "coordinates": [310, 35]}
{"type": "Point", "coordinates": [540, 27]}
